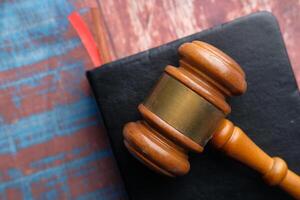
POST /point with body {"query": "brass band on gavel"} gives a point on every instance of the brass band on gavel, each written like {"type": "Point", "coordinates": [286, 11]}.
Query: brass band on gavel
{"type": "Point", "coordinates": [183, 109]}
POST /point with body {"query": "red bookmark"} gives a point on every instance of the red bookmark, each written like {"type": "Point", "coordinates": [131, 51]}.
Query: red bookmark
{"type": "Point", "coordinates": [85, 37]}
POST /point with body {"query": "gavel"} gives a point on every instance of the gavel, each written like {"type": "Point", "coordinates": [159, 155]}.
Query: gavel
{"type": "Point", "coordinates": [187, 108]}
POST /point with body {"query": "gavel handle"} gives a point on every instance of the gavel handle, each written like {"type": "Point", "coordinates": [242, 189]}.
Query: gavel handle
{"type": "Point", "coordinates": [235, 143]}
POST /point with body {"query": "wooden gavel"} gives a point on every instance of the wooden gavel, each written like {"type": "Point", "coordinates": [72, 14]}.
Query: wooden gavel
{"type": "Point", "coordinates": [187, 108]}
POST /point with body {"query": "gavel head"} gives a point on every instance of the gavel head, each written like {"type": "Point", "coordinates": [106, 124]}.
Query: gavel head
{"type": "Point", "coordinates": [184, 108]}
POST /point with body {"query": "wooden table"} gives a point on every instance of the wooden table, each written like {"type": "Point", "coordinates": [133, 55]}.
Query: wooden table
{"type": "Point", "coordinates": [53, 144]}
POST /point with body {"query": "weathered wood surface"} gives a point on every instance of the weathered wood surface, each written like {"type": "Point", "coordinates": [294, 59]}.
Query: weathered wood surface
{"type": "Point", "coordinates": [53, 144]}
{"type": "Point", "coordinates": [134, 26]}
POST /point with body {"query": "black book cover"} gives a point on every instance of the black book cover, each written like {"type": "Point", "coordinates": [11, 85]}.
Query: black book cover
{"type": "Point", "coordinates": [269, 112]}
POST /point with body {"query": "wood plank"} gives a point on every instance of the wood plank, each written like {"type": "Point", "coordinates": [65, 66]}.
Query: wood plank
{"type": "Point", "coordinates": [134, 26]}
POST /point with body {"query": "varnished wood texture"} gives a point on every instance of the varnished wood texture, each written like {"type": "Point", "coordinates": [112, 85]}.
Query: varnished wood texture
{"type": "Point", "coordinates": [235, 143]}
{"type": "Point", "coordinates": [160, 142]}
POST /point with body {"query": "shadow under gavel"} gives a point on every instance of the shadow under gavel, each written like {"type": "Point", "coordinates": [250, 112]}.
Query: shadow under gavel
{"type": "Point", "coordinates": [187, 108]}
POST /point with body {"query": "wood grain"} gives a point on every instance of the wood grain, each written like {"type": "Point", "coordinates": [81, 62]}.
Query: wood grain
{"type": "Point", "coordinates": [236, 144]}
{"type": "Point", "coordinates": [134, 26]}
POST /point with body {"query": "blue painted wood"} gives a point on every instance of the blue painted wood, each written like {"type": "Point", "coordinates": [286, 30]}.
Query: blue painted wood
{"type": "Point", "coordinates": [52, 144]}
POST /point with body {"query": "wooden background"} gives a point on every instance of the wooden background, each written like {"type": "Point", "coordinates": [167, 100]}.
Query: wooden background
{"type": "Point", "coordinates": [132, 26]}
{"type": "Point", "coordinates": [53, 144]}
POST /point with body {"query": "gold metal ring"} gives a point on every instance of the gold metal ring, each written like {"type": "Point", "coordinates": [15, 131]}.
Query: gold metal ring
{"type": "Point", "coordinates": [184, 109]}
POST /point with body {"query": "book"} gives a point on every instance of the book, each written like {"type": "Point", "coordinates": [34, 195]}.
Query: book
{"type": "Point", "coordinates": [268, 112]}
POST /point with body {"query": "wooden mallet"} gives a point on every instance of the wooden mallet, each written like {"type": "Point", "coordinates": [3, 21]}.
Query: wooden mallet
{"type": "Point", "coordinates": [187, 108]}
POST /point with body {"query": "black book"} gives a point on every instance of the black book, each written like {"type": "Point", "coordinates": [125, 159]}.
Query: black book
{"type": "Point", "coordinates": [269, 113]}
